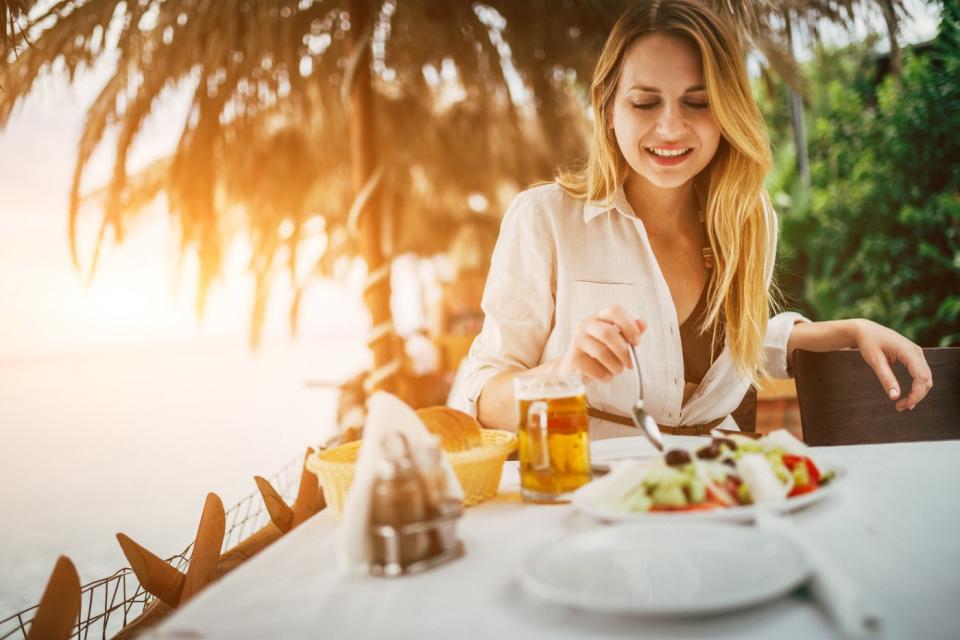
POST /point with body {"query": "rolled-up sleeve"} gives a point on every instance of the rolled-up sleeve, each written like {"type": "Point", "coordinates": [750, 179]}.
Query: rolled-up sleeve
{"type": "Point", "coordinates": [518, 301]}
{"type": "Point", "coordinates": [775, 343]}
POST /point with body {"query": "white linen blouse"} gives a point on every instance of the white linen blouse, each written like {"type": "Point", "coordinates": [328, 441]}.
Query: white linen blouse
{"type": "Point", "coordinates": [559, 260]}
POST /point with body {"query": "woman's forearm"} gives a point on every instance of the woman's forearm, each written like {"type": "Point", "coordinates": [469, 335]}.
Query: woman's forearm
{"type": "Point", "coordinates": [496, 406]}
{"type": "Point", "coordinates": [880, 348]}
{"type": "Point", "coordinates": [831, 335]}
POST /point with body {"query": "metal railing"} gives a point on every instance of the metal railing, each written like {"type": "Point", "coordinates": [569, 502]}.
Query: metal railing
{"type": "Point", "coordinates": [109, 604]}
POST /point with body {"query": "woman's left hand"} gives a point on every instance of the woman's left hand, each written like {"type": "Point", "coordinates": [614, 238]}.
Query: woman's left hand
{"type": "Point", "coordinates": [881, 347]}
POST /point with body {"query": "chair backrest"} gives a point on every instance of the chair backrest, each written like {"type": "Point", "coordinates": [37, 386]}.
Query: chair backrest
{"type": "Point", "coordinates": [842, 402]}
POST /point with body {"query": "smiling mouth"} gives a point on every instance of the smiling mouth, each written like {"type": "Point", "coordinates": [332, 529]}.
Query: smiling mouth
{"type": "Point", "coordinates": [668, 157]}
{"type": "Point", "coordinates": [668, 153]}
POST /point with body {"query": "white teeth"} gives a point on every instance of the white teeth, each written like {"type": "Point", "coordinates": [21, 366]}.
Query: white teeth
{"type": "Point", "coordinates": [667, 153]}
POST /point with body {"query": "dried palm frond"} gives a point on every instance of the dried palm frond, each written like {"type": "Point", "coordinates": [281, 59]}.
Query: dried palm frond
{"type": "Point", "coordinates": [11, 28]}
{"type": "Point", "coordinates": [266, 133]}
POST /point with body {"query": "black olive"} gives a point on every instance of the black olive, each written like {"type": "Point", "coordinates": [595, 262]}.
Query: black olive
{"type": "Point", "coordinates": [677, 457]}
{"type": "Point", "coordinates": [709, 452]}
{"type": "Point", "coordinates": [730, 462]}
{"type": "Point", "coordinates": [727, 441]}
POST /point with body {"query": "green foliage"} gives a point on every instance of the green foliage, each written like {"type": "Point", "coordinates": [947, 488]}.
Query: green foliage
{"type": "Point", "coordinates": [879, 234]}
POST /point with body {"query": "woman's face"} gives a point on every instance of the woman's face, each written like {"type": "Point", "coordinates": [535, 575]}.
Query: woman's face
{"type": "Point", "coordinates": [661, 118]}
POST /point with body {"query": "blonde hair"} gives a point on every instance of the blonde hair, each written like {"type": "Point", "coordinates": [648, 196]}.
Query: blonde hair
{"type": "Point", "coordinates": [739, 222]}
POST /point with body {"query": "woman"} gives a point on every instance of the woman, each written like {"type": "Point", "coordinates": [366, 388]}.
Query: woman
{"type": "Point", "coordinates": [667, 233]}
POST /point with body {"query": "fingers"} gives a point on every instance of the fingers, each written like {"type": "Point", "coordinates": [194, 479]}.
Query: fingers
{"type": "Point", "coordinates": [590, 367]}
{"type": "Point", "coordinates": [627, 325]}
{"type": "Point", "coordinates": [919, 370]}
{"type": "Point", "coordinates": [878, 362]}
{"type": "Point", "coordinates": [601, 352]}
{"type": "Point", "coordinates": [912, 357]}
{"type": "Point", "coordinates": [601, 347]}
{"type": "Point", "coordinates": [609, 342]}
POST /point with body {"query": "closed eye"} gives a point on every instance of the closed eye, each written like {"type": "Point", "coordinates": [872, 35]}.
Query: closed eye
{"type": "Point", "coordinates": [693, 104]}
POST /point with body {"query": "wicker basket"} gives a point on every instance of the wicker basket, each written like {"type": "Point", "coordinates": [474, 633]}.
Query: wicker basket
{"type": "Point", "coordinates": [478, 469]}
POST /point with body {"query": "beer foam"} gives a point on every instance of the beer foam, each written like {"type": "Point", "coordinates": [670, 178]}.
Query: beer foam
{"type": "Point", "coordinates": [548, 387]}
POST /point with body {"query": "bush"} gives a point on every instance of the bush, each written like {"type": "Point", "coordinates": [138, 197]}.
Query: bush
{"type": "Point", "coordinates": [878, 233]}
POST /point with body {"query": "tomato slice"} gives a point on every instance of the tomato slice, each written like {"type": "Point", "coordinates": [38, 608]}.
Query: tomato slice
{"type": "Point", "coordinates": [799, 491]}
{"type": "Point", "coordinates": [791, 462]}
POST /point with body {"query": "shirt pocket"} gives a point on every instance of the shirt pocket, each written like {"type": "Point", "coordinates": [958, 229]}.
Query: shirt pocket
{"type": "Point", "coordinates": [589, 297]}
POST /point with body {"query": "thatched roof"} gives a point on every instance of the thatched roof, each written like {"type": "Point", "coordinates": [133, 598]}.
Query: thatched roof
{"type": "Point", "coordinates": [267, 131]}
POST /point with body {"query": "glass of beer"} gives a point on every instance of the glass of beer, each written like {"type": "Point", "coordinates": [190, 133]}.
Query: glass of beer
{"type": "Point", "coordinates": [554, 436]}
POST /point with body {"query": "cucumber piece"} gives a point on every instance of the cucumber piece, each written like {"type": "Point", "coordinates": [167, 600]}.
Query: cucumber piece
{"type": "Point", "coordinates": [639, 501]}
{"type": "Point", "coordinates": [698, 491]}
{"type": "Point", "coordinates": [669, 496]}
{"type": "Point", "coordinates": [665, 476]}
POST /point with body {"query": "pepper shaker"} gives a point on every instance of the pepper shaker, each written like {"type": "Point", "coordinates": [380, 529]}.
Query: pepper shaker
{"type": "Point", "coordinates": [398, 498]}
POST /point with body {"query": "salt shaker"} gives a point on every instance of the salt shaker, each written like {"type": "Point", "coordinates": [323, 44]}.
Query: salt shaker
{"type": "Point", "coordinates": [443, 510]}
{"type": "Point", "coordinates": [399, 499]}
{"type": "Point", "coordinates": [430, 466]}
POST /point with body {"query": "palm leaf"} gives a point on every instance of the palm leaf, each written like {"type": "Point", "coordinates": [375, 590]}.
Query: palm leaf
{"type": "Point", "coordinates": [265, 145]}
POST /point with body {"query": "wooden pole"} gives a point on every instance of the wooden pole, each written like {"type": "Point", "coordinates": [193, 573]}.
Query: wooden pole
{"type": "Point", "coordinates": [890, 17]}
{"type": "Point", "coordinates": [364, 160]}
{"type": "Point", "coordinates": [796, 117]}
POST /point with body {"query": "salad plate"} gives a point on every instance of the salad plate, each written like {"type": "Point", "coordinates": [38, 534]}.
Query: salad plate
{"type": "Point", "coordinates": [722, 479]}
{"type": "Point", "coordinates": [665, 570]}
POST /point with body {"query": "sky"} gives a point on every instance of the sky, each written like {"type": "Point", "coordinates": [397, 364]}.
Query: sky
{"type": "Point", "coordinates": [920, 24]}
{"type": "Point", "coordinates": [141, 293]}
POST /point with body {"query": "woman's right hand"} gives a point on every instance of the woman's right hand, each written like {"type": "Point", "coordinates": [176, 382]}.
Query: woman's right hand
{"type": "Point", "coordinates": [599, 349]}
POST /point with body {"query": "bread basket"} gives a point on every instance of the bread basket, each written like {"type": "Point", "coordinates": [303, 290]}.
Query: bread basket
{"type": "Point", "coordinates": [478, 469]}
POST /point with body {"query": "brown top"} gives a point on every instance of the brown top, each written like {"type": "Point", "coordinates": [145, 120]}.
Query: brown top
{"type": "Point", "coordinates": [697, 360]}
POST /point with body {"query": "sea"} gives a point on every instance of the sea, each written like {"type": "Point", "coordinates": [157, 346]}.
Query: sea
{"type": "Point", "coordinates": [132, 439]}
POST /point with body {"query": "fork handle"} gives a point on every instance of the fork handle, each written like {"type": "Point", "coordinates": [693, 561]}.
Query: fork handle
{"type": "Point", "coordinates": [636, 366]}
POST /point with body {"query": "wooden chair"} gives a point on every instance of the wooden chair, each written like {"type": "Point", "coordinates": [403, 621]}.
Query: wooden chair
{"type": "Point", "coordinates": [842, 402]}
{"type": "Point", "coordinates": [59, 607]}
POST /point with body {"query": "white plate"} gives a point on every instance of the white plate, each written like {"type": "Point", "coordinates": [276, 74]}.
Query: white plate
{"type": "Point", "coordinates": [745, 513]}
{"type": "Point", "coordinates": [637, 448]}
{"type": "Point", "coordinates": [665, 570]}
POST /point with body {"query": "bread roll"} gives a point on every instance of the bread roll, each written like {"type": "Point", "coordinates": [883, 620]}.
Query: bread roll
{"type": "Point", "coordinates": [457, 430]}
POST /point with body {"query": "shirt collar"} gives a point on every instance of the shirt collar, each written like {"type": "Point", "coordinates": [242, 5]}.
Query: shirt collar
{"type": "Point", "coordinates": [618, 202]}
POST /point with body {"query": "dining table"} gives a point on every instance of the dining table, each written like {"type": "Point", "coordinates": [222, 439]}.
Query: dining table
{"type": "Point", "coordinates": [892, 526]}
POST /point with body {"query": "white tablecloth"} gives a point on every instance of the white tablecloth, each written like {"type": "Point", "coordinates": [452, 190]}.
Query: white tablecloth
{"type": "Point", "coordinates": [894, 526]}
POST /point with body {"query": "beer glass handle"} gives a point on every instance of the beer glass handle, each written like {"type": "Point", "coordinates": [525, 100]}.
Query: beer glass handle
{"type": "Point", "coordinates": [537, 424]}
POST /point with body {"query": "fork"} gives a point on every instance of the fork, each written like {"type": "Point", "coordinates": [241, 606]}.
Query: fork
{"type": "Point", "coordinates": [643, 420]}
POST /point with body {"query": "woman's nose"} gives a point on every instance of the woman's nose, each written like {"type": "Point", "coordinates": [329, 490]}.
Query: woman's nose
{"type": "Point", "coordinates": [670, 124]}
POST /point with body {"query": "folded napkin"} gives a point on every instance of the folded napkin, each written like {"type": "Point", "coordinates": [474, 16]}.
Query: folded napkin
{"type": "Point", "coordinates": [837, 594]}
{"type": "Point", "coordinates": [386, 415]}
